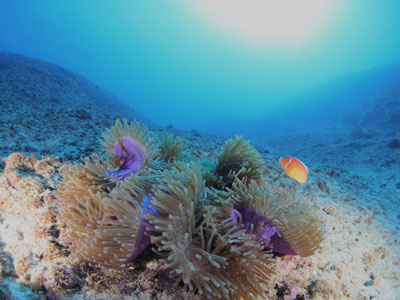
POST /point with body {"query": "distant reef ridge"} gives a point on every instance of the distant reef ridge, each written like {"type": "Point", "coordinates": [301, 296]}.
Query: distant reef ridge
{"type": "Point", "coordinates": [366, 99]}
{"type": "Point", "coordinates": [46, 109]}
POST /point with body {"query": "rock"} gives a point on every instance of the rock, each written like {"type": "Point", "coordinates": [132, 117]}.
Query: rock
{"type": "Point", "coordinates": [319, 289]}
{"type": "Point", "coordinates": [360, 134]}
{"type": "Point", "coordinates": [329, 210]}
{"type": "Point", "coordinates": [195, 132]}
{"type": "Point", "coordinates": [288, 292]}
{"type": "Point", "coordinates": [394, 144]}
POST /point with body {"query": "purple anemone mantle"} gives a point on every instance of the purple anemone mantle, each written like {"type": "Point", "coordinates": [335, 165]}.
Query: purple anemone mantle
{"type": "Point", "coordinates": [130, 154]}
{"type": "Point", "coordinates": [144, 234]}
{"type": "Point", "coordinates": [269, 235]}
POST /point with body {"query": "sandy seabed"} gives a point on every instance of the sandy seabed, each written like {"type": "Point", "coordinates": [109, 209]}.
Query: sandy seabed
{"type": "Point", "coordinates": [359, 258]}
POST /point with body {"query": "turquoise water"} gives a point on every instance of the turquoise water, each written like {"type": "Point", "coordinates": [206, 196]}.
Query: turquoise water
{"type": "Point", "coordinates": [178, 68]}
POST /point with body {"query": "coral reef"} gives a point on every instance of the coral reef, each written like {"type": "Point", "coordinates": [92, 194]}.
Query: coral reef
{"type": "Point", "coordinates": [36, 260]}
{"type": "Point", "coordinates": [26, 219]}
{"type": "Point", "coordinates": [48, 110]}
{"type": "Point", "coordinates": [358, 260]}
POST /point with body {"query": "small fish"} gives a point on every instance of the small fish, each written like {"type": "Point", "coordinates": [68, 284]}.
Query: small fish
{"type": "Point", "coordinates": [294, 168]}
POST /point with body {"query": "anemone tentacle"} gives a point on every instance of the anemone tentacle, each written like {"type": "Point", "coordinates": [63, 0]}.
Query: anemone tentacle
{"type": "Point", "coordinates": [170, 147]}
{"type": "Point", "coordinates": [238, 158]}
{"type": "Point", "coordinates": [219, 241]}
{"type": "Point", "coordinates": [216, 260]}
{"type": "Point", "coordinates": [261, 208]}
{"type": "Point", "coordinates": [81, 178]}
{"type": "Point", "coordinates": [103, 221]}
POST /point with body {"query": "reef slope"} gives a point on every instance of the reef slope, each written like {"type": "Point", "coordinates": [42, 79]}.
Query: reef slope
{"type": "Point", "coordinates": [41, 104]}
{"type": "Point", "coordinates": [359, 258]}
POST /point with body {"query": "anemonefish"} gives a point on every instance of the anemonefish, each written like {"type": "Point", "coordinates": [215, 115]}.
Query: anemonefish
{"type": "Point", "coordinates": [294, 168]}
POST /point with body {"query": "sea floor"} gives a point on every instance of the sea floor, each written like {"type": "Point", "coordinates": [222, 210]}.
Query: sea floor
{"type": "Point", "coordinates": [354, 189]}
{"type": "Point", "coordinates": [359, 258]}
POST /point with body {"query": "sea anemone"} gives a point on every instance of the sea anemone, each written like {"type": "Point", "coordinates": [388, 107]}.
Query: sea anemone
{"type": "Point", "coordinates": [90, 175]}
{"type": "Point", "coordinates": [79, 197]}
{"type": "Point", "coordinates": [218, 241]}
{"type": "Point", "coordinates": [208, 170]}
{"type": "Point", "coordinates": [130, 147]}
{"type": "Point", "coordinates": [206, 255]}
{"type": "Point", "coordinates": [276, 218]}
{"type": "Point", "coordinates": [105, 228]}
{"type": "Point", "coordinates": [170, 147]}
{"type": "Point", "coordinates": [123, 233]}
{"type": "Point", "coordinates": [178, 198]}
{"type": "Point", "coordinates": [247, 260]}
{"type": "Point", "coordinates": [238, 158]}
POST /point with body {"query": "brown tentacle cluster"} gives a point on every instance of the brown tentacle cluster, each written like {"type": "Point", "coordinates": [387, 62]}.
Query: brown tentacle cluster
{"type": "Point", "coordinates": [170, 147]}
{"type": "Point", "coordinates": [214, 258]}
{"type": "Point", "coordinates": [218, 242]}
{"type": "Point", "coordinates": [238, 159]}
{"type": "Point", "coordinates": [90, 174]}
{"type": "Point", "coordinates": [291, 217]}
{"type": "Point", "coordinates": [101, 227]}
{"type": "Point", "coordinates": [102, 214]}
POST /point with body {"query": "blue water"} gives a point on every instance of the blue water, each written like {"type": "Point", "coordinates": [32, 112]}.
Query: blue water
{"type": "Point", "coordinates": [177, 68]}
{"type": "Point", "coordinates": [337, 91]}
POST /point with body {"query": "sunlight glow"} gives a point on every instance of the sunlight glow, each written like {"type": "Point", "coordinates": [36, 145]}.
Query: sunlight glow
{"type": "Point", "coordinates": [268, 22]}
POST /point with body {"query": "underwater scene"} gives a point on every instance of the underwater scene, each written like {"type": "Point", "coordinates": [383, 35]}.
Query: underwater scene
{"type": "Point", "coordinates": [202, 149]}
